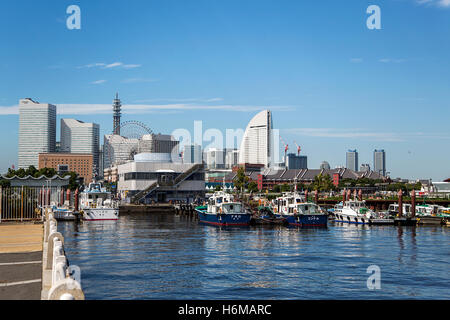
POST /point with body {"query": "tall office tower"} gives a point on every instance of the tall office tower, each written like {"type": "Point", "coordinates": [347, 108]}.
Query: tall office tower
{"type": "Point", "coordinates": [215, 159]}
{"type": "Point", "coordinates": [365, 167]}
{"type": "Point", "coordinates": [257, 142]}
{"type": "Point", "coordinates": [37, 131]}
{"type": "Point", "coordinates": [379, 162]}
{"type": "Point", "coordinates": [352, 160]}
{"type": "Point", "coordinates": [294, 161]}
{"type": "Point", "coordinates": [231, 158]}
{"type": "Point", "coordinates": [116, 115]}
{"type": "Point", "coordinates": [80, 137]}
{"type": "Point", "coordinates": [192, 154]}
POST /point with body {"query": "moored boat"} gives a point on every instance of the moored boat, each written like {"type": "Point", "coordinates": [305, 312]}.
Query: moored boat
{"type": "Point", "coordinates": [222, 210]}
{"type": "Point", "coordinates": [298, 211]}
{"type": "Point", "coordinates": [266, 216]}
{"type": "Point", "coordinates": [96, 204]}
{"type": "Point", "coordinates": [354, 211]}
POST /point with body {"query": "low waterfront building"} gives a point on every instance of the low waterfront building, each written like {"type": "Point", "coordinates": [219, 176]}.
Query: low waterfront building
{"type": "Point", "coordinates": [146, 181]}
{"type": "Point", "coordinates": [80, 163]}
{"type": "Point", "coordinates": [42, 181]}
{"type": "Point", "coordinates": [271, 177]}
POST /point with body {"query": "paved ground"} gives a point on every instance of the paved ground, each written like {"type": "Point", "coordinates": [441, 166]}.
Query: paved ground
{"type": "Point", "coordinates": [20, 262]}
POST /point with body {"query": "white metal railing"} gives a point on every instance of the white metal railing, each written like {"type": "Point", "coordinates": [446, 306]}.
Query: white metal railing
{"type": "Point", "coordinates": [58, 276]}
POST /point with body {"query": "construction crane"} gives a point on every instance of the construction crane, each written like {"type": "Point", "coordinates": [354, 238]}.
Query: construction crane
{"type": "Point", "coordinates": [286, 148]}
{"type": "Point", "coordinates": [298, 148]}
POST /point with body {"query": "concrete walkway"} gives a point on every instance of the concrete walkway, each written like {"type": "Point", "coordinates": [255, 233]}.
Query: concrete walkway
{"type": "Point", "coordinates": [21, 261]}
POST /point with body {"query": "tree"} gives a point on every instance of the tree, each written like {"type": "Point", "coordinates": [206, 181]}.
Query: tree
{"type": "Point", "coordinates": [285, 187]}
{"type": "Point", "coordinates": [5, 183]}
{"type": "Point", "coordinates": [276, 188]}
{"type": "Point", "coordinates": [73, 181]}
{"type": "Point", "coordinates": [323, 183]}
{"type": "Point", "coordinates": [252, 187]}
{"type": "Point", "coordinates": [241, 179]}
{"type": "Point", "coordinates": [31, 171]}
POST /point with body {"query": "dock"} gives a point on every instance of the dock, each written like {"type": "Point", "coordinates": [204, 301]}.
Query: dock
{"type": "Point", "coordinates": [21, 261]}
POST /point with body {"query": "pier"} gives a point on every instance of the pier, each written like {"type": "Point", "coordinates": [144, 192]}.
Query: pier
{"type": "Point", "coordinates": [33, 264]}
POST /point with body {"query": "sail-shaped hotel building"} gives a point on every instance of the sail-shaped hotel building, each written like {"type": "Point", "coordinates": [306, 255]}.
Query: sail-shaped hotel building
{"type": "Point", "coordinates": [257, 142]}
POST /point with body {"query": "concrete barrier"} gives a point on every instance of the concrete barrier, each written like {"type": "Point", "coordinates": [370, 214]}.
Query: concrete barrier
{"type": "Point", "coordinates": [57, 282]}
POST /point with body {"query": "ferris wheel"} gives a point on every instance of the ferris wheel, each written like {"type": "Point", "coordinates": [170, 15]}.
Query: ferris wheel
{"type": "Point", "coordinates": [124, 142]}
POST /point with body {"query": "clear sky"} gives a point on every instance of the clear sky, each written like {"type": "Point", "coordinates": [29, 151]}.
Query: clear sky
{"type": "Point", "coordinates": [331, 83]}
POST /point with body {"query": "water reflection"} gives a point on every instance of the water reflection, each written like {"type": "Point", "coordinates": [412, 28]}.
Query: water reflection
{"type": "Point", "coordinates": [163, 256]}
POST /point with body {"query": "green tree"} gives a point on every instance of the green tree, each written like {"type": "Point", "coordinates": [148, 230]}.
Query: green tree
{"type": "Point", "coordinates": [276, 188]}
{"type": "Point", "coordinates": [5, 183]}
{"type": "Point", "coordinates": [252, 187]}
{"type": "Point", "coordinates": [73, 181]}
{"type": "Point", "coordinates": [285, 187]}
{"type": "Point", "coordinates": [323, 183]}
{"type": "Point", "coordinates": [241, 179]}
{"type": "Point", "coordinates": [31, 171]}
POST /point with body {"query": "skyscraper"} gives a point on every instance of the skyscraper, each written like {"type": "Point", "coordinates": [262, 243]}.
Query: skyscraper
{"type": "Point", "coordinates": [257, 142]}
{"type": "Point", "coordinates": [379, 161]}
{"type": "Point", "coordinates": [352, 160]}
{"type": "Point", "coordinates": [116, 115]}
{"type": "Point", "coordinates": [294, 161]}
{"type": "Point", "coordinates": [215, 158]}
{"type": "Point", "coordinates": [231, 158]}
{"type": "Point", "coordinates": [192, 154]}
{"type": "Point", "coordinates": [37, 131]}
{"type": "Point", "coordinates": [80, 137]}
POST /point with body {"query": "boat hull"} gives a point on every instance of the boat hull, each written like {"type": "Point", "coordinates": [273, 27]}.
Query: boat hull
{"type": "Point", "coordinates": [238, 219]}
{"type": "Point", "coordinates": [308, 220]}
{"type": "Point", "coordinates": [351, 219]}
{"type": "Point", "coordinates": [101, 214]}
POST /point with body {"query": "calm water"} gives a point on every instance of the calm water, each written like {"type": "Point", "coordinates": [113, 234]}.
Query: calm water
{"type": "Point", "coordinates": [173, 257]}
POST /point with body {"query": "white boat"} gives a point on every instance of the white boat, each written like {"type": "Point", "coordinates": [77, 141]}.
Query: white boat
{"type": "Point", "coordinates": [393, 210]}
{"type": "Point", "coordinates": [354, 211]}
{"type": "Point", "coordinates": [96, 204]}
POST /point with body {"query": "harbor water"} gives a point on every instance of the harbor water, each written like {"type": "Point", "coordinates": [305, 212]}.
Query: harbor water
{"type": "Point", "coordinates": [164, 256]}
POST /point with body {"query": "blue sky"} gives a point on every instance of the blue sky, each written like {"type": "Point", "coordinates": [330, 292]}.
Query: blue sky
{"type": "Point", "coordinates": [331, 83]}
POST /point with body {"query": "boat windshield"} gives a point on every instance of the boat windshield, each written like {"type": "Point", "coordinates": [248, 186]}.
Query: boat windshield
{"type": "Point", "coordinates": [308, 209]}
{"type": "Point", "coordinates": [232, 208]}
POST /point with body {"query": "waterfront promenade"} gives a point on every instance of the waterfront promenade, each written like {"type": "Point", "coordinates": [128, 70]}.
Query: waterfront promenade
{"type": "Point", "coordinates": [21, 261]}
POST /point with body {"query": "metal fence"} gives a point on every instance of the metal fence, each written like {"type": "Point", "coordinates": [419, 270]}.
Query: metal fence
{"type": "Point", "coordinates": [23, 203]}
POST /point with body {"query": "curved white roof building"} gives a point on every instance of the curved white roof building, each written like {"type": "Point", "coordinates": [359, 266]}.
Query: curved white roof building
{"type": "Point", "coordinates": [256, 145]}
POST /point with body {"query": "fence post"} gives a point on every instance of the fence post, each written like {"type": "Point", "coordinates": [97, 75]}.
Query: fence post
{"type": "Point", "coordinates": [21, 204]}
{"type": "Point", "coordinates": [1, 203]}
